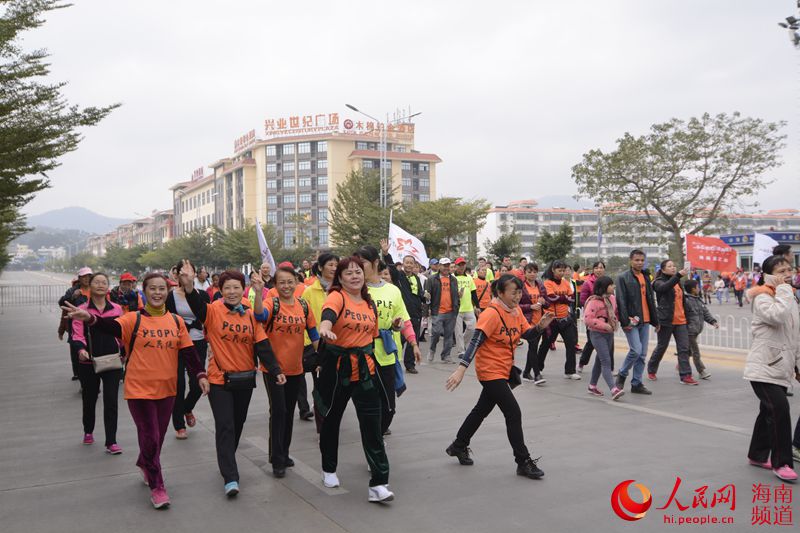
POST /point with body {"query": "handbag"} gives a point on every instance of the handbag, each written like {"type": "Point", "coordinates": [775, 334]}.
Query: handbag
{"type": "Point", "coordinates": [103, 363]}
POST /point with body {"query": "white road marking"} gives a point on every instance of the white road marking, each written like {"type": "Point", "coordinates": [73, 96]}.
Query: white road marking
{"type": "Point", "coordinates": [682, 418]}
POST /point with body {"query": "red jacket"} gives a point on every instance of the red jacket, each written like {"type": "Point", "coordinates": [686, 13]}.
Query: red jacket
{"type": "Point", "coordinates": [596, 315]}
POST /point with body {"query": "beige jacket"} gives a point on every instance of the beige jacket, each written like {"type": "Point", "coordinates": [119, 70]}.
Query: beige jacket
{"type": "Point", "coordinates": [775, 352]}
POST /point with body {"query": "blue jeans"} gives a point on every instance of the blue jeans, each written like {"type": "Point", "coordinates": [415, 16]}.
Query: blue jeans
{"type": "Point", "coordinates": [638, 338]}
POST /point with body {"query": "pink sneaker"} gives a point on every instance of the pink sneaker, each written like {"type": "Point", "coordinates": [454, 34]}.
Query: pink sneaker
{"type": "Point", "coordinates": [159, 498]}
{"type": "Point", "coordinates": [766, 464]}
{"type": "Point", "coordinates": [114, 449]}
{"type": "Point", "coordinates": [617, 393]}
{"type": "Point", "coordinates": [594, 391]}
{"type": "Point", "coordinates": [785, 473]}
{"type": "Point", "coordinates": [88, 439]}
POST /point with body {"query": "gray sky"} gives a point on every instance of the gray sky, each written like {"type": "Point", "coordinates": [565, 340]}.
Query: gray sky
{"type": "Point", "coordinates": [511, 92]}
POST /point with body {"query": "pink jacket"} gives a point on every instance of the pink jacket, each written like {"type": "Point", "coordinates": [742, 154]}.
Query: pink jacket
{"type": "Point", "coordinates": [595, 314]}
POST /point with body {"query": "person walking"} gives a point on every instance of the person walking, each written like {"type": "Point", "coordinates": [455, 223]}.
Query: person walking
{"type": "Point", "coordinates": [719, 288]}
{"type": "Point", "coordinates": [90, 343]}
{"type": "Point", "coordinates": [587, 289]}
{"type": "Point", "coordinates": [602, 319]}
{"type": "Point", "coordinates": [637, 312]}
{"type": "Point", "coordinates": [154, 340]}
{"type": "Point", "coordinates": [125, 294]}
{"type": "Point", "coordinates": [560, 295]}
{"type": "Point", "coordinates": [483, 287]}
{"type": "Point", "coordinates": [236, 343]}
{"type": "Point", "coordinates": [772, 361]}
{"type": "Point", "coordinates": [533, 303]}
{"type": "Point", "coordinates": [348, 328]}
{"type": "Point", "coordinates": [739, 286]}
{"type": "Point", "coordinates": [708, 287]}
{"type": "Point", "coordinates": [290, 320]}
{"type": "Point", "coordinates": [445, 302]}
{"type": "Point", "coordinates": [671, 309]}
{"type": "Point", "coordinates": [492, 347]}
{"type": "Point", "coordinates": [468, 309]}
{"type": "Point", "coordinates": [76, 295]}
{"type": "Point", "coordinates": [696, 315]}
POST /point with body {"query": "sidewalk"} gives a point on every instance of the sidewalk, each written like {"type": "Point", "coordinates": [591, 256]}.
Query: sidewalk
{"type": "Point", "coordinates": [49, 482]}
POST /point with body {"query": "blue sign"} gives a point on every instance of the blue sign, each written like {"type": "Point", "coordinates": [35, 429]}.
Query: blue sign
{"type": "Point", "coordinates": [746, 239]}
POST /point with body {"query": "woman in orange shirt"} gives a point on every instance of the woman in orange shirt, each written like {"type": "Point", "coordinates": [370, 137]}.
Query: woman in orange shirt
{"type": "Point", "coordinates": [560, 296]}
{"type": "Point", "coordinates": [349, 326]}
{"type": "Point", "coordinates": [285, 330]}
{"type": "Point", "coordinates": [497, 332]}
{"type": "Point", "coordinates": [236, 340]}
{"type": "Point", "coordinates": [154, 340]}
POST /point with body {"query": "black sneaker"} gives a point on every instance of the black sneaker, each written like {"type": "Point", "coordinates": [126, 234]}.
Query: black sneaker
{"type": "Point", "coordinates": [461, 453]}
{"type": "Point", "coordinates": [640, 389]}
{"type": "Point", "coordinates": [278, 471]}
{"type": "Point", "coordinates": [308, 415]}
{"type": "Point", "coordinates": [289, 462]}
{"type": "Point", "coordinates": [539, 380]}
{"type": "Point", "coordinates": [620, 382]}
{"type": "Point", "coordinates": [527, 376]}
{"type": "Point", "coordinates": [529, 469]}
{"type": "Point", "coordinates": [412, 370]}
{"type": "Point", "coordinates": [387, 432]}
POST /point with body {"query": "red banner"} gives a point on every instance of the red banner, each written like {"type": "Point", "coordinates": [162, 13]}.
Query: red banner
{"type": "Point", "coordinates": [710, 253]}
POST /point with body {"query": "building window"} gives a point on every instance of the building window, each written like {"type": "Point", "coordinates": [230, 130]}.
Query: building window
{"type": "Point", "coordinates": [322, 163]}
{"type": "Point", "coordinates": [361, 145]}
{"type": "Point", "coordinates": [406, 182]}
{"type": "Point", "coordinates": [367, 164]}
{"type": "Point", "coordinates": [424, 197]}
{"type": "Point", "coordinates": [424, 183]}
{"type": "Point", "coordinates": [399, 147]}
{"type": "Point", "coordinates": [322, 197]}
{"type": "Point", "coordinates": [272, 184]}
{"type": "Point", "coordinates": [407, 197]}
{"type": "Point", "coordinates": [387, 164]}
{"type": "Point", "coordinates": [303, 148]}
{"type": "Point", "coordinates": [424, 167]}
{"type": "Point", "coordinates": [288, 199]}
{"type": "Point", "coordinates": [304, 182]}
{"type": "Point", "coordinates": [287, 149]}
{"type": "Point", "coordinates": [323, 236]}
{"type": "Point", "coordinates": [288, 167]}
{"type": "Point", "coordinates": [288, 238]}
{"type": "Point", "coordinates": [322, 181]}
{"type": "Point", "coordinates": [272, 199]}
{"type": "Point", "coordinates": [304, 165]}
{"type": "Point", "coordinates": [405, 165]}
{"type": "Point", "coordinates": [271, 150]}
{"type": "Point", "coordinates": [322, 216]}
{"type": "Point", "coordinates": [322, 146]}
{"type": "Point", "coordinates": [288, 183]}
{"type": "Point", "coordinates": [305, 198]}
{"type": "Point", "coordinates": [272, 218]}
{"type": "Point", "coordinates": [272, 167]}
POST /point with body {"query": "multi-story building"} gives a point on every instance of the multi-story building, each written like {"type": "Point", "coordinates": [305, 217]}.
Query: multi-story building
{"type": "Point", "coordinates": [590, 242]}
{"type": "Point", "coordinates": [152, 231]}
{"type": "Point", "coordinates": [289, 178]}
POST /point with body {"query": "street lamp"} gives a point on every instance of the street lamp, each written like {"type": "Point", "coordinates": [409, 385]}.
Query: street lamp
{"type": "Point", "coordinates": [384, 192]}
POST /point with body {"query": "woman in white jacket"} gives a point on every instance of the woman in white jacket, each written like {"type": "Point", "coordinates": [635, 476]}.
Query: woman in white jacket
{"type": "Point", "coordinates": [772, 362]}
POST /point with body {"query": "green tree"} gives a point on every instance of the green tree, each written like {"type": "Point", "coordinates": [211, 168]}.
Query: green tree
{"type": "Point", "coordinates": [195, 246]}
{"type": "Point", "coordinates": [356, 216]}
{"type": "Point", "coordinates": [446, 223]}
{"type": "Point", "coordinates": [507, 244]}
{"type": "Point", "coordinates": [550, 247]}
{"type": "Point", "coordinates": [684, 177]}
{"type": "Point", "coordinates": [120, 259]}
{"type": "Point", "coordinates": [37, 125]}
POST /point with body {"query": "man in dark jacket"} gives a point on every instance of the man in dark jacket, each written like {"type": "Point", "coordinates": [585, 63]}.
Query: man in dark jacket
{"type": "Point", "coordinates": [413, 297]}
{"type": "Point", "coordinates": [76, 295]}
{"type": "Point", "coordinates": [637, 312]}
{"type": "Point", "coordinates": [445, 302]}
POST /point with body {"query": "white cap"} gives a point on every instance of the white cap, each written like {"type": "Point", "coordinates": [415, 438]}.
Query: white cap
{"type": "Point", "coordinates": [444, 261]}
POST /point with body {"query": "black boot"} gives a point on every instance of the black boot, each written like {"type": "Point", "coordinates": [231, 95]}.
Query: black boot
{"type": "Point", "coordinates": [529, 469]}
{"type": "Point", "coordinates": [461, 453]}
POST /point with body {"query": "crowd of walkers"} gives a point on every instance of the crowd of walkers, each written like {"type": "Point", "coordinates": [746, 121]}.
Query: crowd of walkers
{"type": "Point", "coordinates": [355, 323]}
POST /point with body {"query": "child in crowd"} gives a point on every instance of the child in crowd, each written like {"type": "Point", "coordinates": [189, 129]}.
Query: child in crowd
{"type": "Point", "coordinates": [696, 315]}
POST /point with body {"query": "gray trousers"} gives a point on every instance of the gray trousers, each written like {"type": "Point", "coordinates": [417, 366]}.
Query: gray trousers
{"type": "Point", "coordinates": [604, 345]}
{"type": "Point", "coordinates": [681, 335]}
{"type": "Point", "coordinates": [694, 349]}
{"type": "Point", "coordinates": [462, 339]}
{"type": "Point", "coordinates": [444, 324]}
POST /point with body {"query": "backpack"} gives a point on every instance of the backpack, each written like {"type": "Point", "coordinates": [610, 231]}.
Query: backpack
{"type": "Point", "coordinates": [276, 307]}
{"type": "Point", "coordinates": [136, 330]}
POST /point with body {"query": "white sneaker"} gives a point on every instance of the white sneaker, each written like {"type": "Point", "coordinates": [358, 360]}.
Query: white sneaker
{"type": "Point", "coordinates": [580, 369]}
{"type": "Point", "coordinates": [380, 493]}
{"type": "Point", "coordinates": [705, 374]}
{"type": "Point", "coordinates": [330, 480]}
{"type": "Point", "coordinates": [572, 376]}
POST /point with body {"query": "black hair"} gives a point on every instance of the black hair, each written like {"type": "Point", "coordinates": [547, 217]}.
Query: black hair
{"type": "Point", "coordinates": [523, 258]}
{"type": "Point", "coordinates": [576, 267]}
{"type": "Point", "coordinates": [690, 285]}
{"type": "Point", "coordinates": [98, 274]}
{"type": "Point", "coordinates": [558, 263]}
{"type": "Point", "coordinates": [382, 266]}
{"type": "Point", "coordinates": [322, 260]}
{"type": "Point", "coordinates": [769, 265]}
{"type": "Point", "coordinates": [661, 268]}
{"type": "Point", "coordinates": [500, 284]}
{"type": "Point", "coordinates": [597, 264]}
{"type": "Point", "coordinates": [636, 251]}
{"type": "Point", "coordinates": [530, 267]}
{"type": "Point", "coordinates": [368, 253]}
{"type": "Point", "coordinates": [781, 249]}
{"type": "Point", "coordinates": [601, 285]}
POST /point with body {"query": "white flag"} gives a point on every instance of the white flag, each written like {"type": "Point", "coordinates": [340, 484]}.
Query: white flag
{"type": "Point", "coordinates": [266, 255]}
{"type": "Point", "coordinates": [762, 247]}
{"type": "Point", "coordinates": [402, 244]}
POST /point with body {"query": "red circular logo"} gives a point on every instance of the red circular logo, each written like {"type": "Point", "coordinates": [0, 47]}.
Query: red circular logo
{"type": "Point", "coordinates": [623, 504]}
{"type": "Point", "coordinates": [348, 124]}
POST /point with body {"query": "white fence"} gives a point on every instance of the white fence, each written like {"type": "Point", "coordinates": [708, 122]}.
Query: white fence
{"type": "Point", "coordinates": [733, 333]}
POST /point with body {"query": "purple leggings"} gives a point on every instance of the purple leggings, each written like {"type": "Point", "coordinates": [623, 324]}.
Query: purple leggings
{"type": "Point", "coordinates": [152, 419]}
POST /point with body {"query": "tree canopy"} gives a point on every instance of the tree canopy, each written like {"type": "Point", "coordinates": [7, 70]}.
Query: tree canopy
{"type": "Point", "coordinates": [684, 177]}
{"type": "Point", "coordinates": [550, 247]}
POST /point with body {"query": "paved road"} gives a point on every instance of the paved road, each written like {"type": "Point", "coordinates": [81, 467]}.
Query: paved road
{"type": "Point", "coordinates": [49, 482]}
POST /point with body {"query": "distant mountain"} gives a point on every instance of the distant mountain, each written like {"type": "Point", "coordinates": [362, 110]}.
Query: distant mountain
{"type": "Point", "coordinates": [52, 237]}
{"type": "Point", "coordinates": [76, 218]}
{"type": "Point", "coordinates": [565, 201]}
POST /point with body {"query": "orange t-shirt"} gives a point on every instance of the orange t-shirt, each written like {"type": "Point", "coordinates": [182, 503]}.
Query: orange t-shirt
{"type": "Point", "coordinates": [286, 335]}
{"type": "Point", "coordinates": [484, 290]}
{"type": "Point", "coordinates": [309, 281]}
{"type": "Point", "coordinates": [231, 337]}
{"type": "Point", "coordinates": [739, 283]}
{"type": "Point", "coordinates": [495, 356]}
{"type": "Point", "coordinates": [645, 309]}
{"type": "Point", "coordinates": [679, 315]}
{"type": "Point", "coordinates": [152, 367]}
{"type": "Point", "coordinates": [356, 326]}
{"type": "Point", "coordinates": [446, 301]}
{"type": "Point", "coordinates": [533, 292]}
{"type": "Point", "coordinates": [560, 288]}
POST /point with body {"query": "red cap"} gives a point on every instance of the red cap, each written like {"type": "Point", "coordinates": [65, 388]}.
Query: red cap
{"type": "Point", "coordinates": [287, 264]}
{"type": "Point", "coordinates": [460, 261]}
{"type": "Point", "coordinates": [127, 276]}
{"type": "Point", "coordinates": [171, 283]}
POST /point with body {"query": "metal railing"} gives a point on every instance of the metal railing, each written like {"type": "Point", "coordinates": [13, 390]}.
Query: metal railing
{"type": "Point", "coordinates": [45, 297]}
{"type": "Point", "coordinates": [734, 333]}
